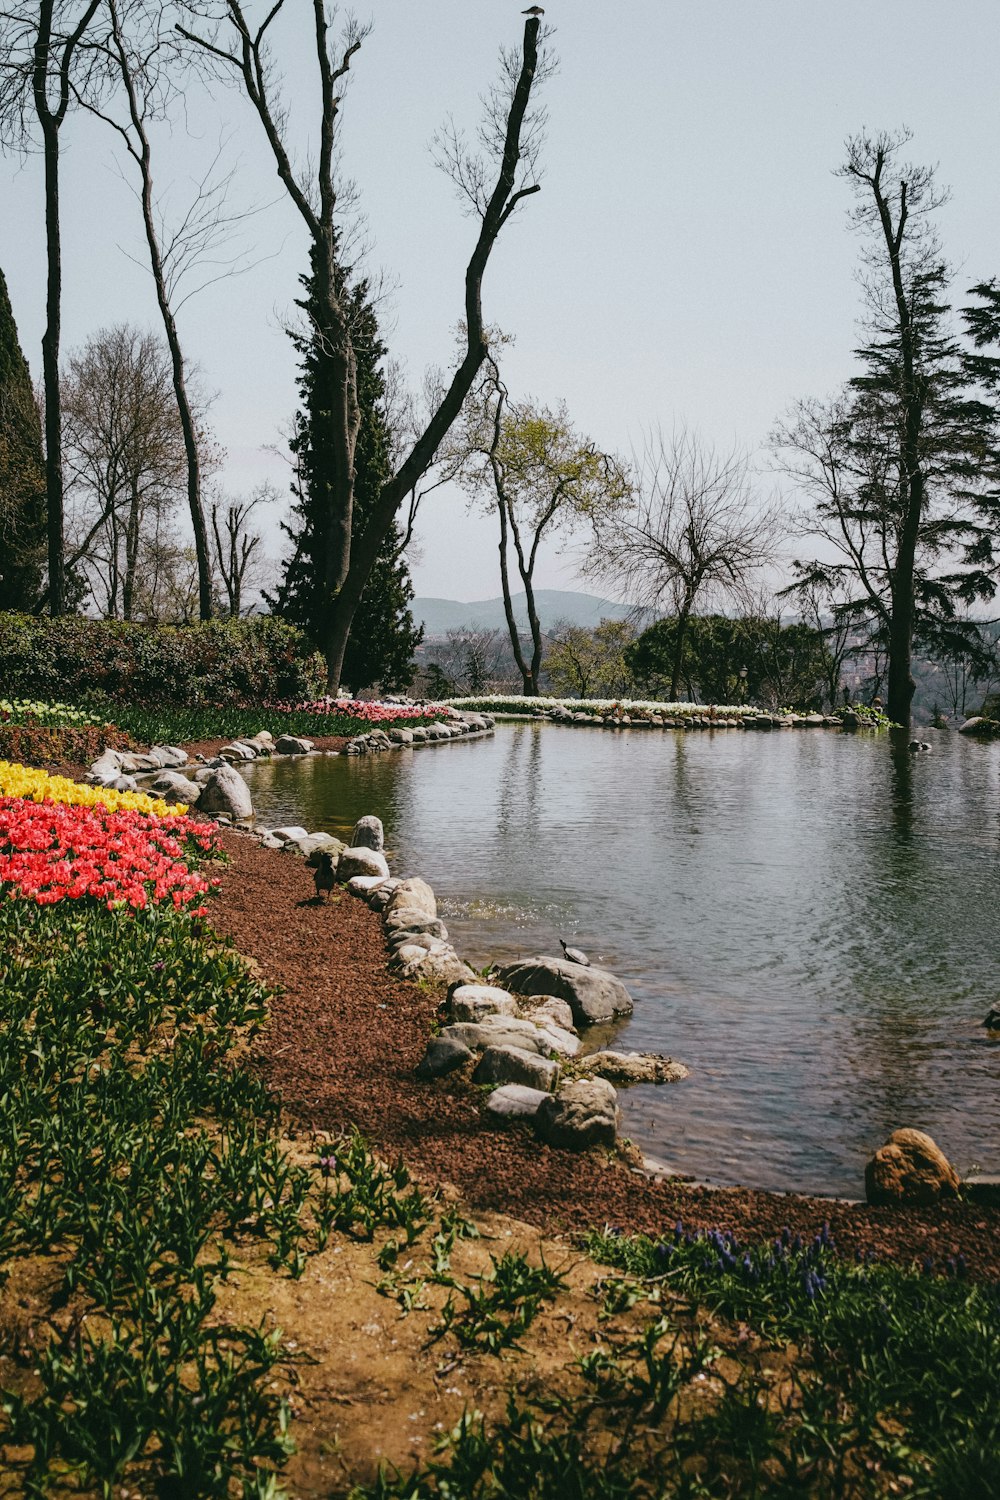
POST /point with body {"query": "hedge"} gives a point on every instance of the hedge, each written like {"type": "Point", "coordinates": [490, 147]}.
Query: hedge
{"type": "Point", "coordinates": [222, 662]}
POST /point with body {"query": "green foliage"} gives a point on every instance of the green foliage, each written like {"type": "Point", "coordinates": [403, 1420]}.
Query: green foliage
{"type": "Point", "coordinates": [220, 663]}
{"type": "Point", "coordinates": [383, 636]}
{"type": "Point", "coordinates": [813, 1377]}
{"type": "Point", "coordinates": [173, 726]}
{"type": "Point", "coordinates": [734, 660]}
{"type": "Point", "coordinates": [500, 1306]}
{"type": "Point", "coordinates": [38, 744]}
{"type": "Point", "coordinates": [22, 472]}
{"type": "Point", "coordinates": [591, 663]}
{"type": "Point", "coordinates": [129, 1148]}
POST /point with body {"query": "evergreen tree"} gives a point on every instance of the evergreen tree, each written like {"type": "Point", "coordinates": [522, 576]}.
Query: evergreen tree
{"type": "Point", "coordinates": [903, 465]}
{"type": "Point", "coordinates": [22, 473]}
{"type": "Point", "coordinates": [383, 636]}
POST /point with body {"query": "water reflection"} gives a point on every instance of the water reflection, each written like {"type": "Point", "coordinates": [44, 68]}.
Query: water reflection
{"type": "Point", "coordinates": [806, 919]}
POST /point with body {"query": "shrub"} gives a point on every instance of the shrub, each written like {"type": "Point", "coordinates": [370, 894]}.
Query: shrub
{"type": "Point", "coordinates": [35, 744]}
{"type": "Point", "coordinates": [221, 662]}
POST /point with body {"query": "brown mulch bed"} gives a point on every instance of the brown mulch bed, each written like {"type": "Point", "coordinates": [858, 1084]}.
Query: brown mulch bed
{"type": "Point", "coordinates": [345, 1036]}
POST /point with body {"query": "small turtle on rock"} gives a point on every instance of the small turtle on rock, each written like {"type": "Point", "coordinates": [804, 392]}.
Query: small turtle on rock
{"type": "Point", "coordinates": [992, 1020]}
{"type": "Point", "coordinates": [575, 955]}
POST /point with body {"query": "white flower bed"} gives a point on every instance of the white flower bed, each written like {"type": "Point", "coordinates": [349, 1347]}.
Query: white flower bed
{"type": "Point", "coordinates": [504, 703]}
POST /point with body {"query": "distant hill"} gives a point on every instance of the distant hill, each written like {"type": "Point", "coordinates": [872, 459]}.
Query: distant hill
{"type": "Point", "coordinates": [554, 606]}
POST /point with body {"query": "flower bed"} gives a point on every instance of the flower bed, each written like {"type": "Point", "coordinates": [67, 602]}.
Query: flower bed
{"type": "Point", "coordinates": [51, 852]}
{"type": "Point", "coordinates": [32, 712]}
{"type": "Point", "coordinates": [17, 780]}
{"type": "Point", "coordinates": [598, 707]}
{"type": "Point", "coordinates": [403, 714]}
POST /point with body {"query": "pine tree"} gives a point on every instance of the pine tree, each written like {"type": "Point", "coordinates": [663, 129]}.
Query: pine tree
{"type": "Point", "coordinates": [22, 473]}
{"type": "Point", "coordinates": [383, 636]}
{"type": "Point", "coordinates": [903, 466]}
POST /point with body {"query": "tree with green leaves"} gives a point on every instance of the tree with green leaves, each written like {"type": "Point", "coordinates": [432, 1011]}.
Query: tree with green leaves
{"type": "Point", "coordinates": [384, 637]}
{"type": "Point", "coordinates": [22, 473]}
{"type": "Point", "coordinates": [901, 468]}
{"type": "Point", "coordinates": [542, 479]}
{"type": "Point", "coordinates": [750, 658]}
{"type": "Point", "coordinates": [590, 663]}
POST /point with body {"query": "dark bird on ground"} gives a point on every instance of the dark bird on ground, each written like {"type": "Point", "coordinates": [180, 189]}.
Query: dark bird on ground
{"type": "Point", "coordinates": [533, 10]}
{"type": "Point", "coordinates": [326, 875]}
{"type": "Point", "coordinates": [574, 955]}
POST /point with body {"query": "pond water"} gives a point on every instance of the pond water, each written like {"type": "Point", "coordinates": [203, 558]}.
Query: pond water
{"type": "Point", "coordinates": [808, 919]}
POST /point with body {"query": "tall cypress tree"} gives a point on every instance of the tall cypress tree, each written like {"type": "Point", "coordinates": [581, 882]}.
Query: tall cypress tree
{"type": "Point", "coordinates": [383, 636]}
{"type": "Point", "coordinates": [22, 473]}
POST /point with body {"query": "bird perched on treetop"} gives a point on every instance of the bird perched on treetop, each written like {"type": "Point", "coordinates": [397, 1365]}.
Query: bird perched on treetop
{"type": "Point", "coordinates": [575, 956]}
{"type": "Point", "coordinates": [533, 10]}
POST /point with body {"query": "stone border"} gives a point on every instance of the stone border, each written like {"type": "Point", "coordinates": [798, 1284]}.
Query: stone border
{"type": "Point", "coordinates": [215, 789]}
{"type": "Point", "coordinates": [702, 719]}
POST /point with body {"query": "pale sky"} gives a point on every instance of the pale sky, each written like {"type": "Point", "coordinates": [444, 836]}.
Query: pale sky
{"type": "Point", "coordinates": [688, 260]}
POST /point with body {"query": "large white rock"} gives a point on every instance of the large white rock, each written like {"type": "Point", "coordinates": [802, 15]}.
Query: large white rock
{"type": "Point", "coordinates": [292, 744]}
{"type": "Point", "coordinates": [593, 994]}
{"type": "Point", "coordinates": [363, 885]}
{"type": "Point", "coordinates": [361, 862]}
{"type": "Point", "coordinates": [471, 1002]}
{"type": "Point", "coordinates": [368, 834]}
{"type": "Point", "coordinates": [290, 832]}
{"type": "Point", "coordinates": [412, 895]}
{"type": "Point", "coordinates": [551, 1011]}
{"type": "Point", "coordinates": [516, 1065]}
{"type": "Point", "coordinates": [499, 1031]}
{"type": "Point", "coordinates": [565, 1043]}
{"type": "Point", "coordinates": [173, 787]}
{"type": "Point", "coordinates": [633, 1067]}
{"type": "Point", "coordinates": [583, 1113]}
{"type": "Point", "coordinates": [169, 755]}
{"type": "Point", "coordinates": [108, 763]}
{"type": "Point", "coordinates": [225, 791]}
{"type": "Point", "coordinates": [514, 1101]}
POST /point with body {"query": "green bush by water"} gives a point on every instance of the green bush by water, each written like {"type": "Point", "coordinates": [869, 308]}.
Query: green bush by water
{"type": "Point", "coordinates": [222, 662]}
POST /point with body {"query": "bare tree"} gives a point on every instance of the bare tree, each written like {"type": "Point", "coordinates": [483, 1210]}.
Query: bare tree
{"type": "Point", "coordinates": [698, 533]}
{"type": "Point", "coordinates": [237, 548]}
{"type": "Point", "coordinates": [138, 50]}
{"type": "Point", "coordinates": [473, 659]}
{"type": "Point", "coordinates": [241, 51]}
{"type": "Point", "coordinates": [40, 44]}
{"type": "Point", "coordinates": [124, 458]}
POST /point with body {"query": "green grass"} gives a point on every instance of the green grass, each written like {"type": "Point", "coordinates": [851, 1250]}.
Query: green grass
{"type": "Point", "coordinates": [138, 1163]}
{"type": "Point", "coordinates": [775, 1370]}
{"type": "Point", "coordinates": [180, 725]}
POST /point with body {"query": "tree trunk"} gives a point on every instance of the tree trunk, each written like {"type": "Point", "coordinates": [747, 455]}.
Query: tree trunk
{"type": "Point", "coordinates": [362, 552]}
{"type": "Point", "coordinates": [131, 554]}
{"type": "Point", "coordinates": [50, 369]}
{"type": "Point", "coordinates": [675, 675]}
{"type": "Point", "coordinates": [179, 379]}
{"type": "Point", "coordinates": [534, 624]}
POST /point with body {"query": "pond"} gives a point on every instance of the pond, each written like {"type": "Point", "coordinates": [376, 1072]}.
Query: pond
{"type": "Point", "coordinates": [807, 919]}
